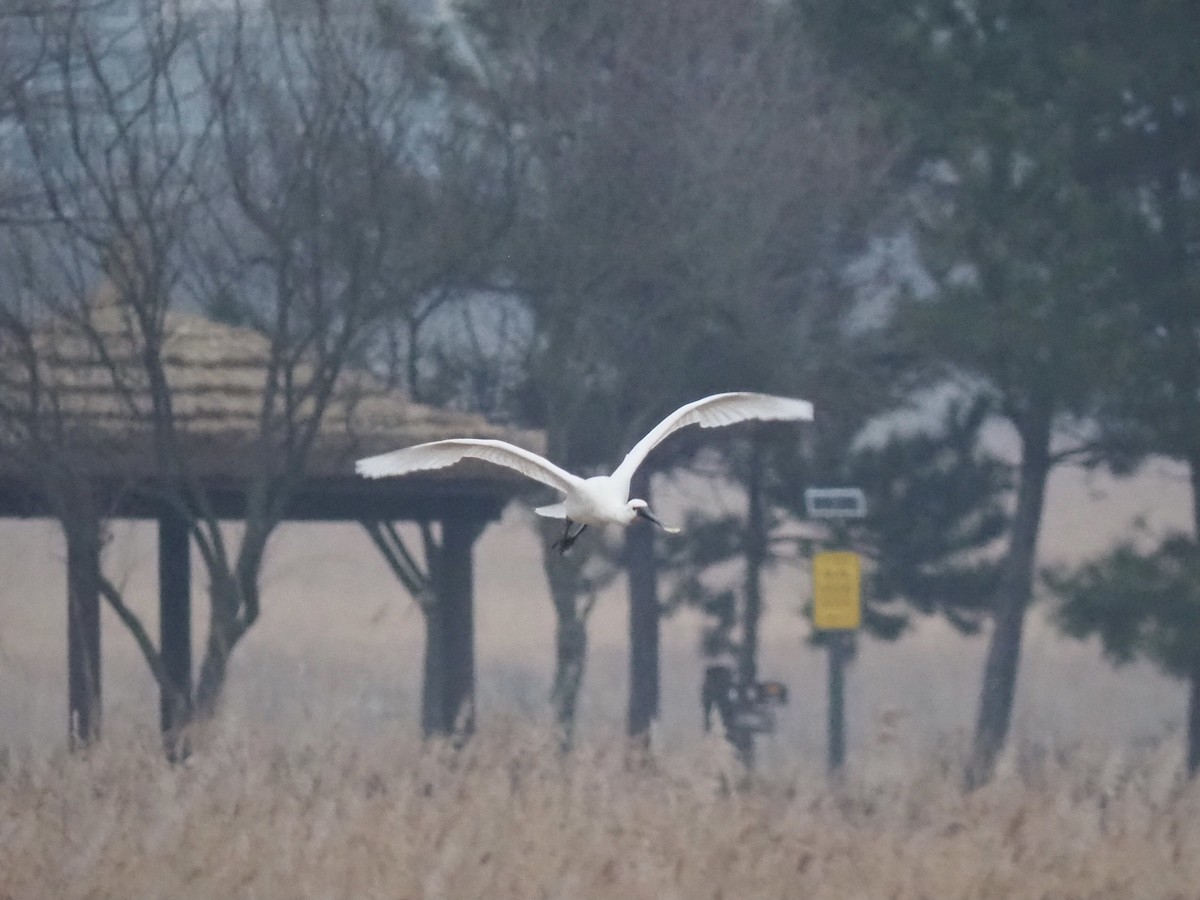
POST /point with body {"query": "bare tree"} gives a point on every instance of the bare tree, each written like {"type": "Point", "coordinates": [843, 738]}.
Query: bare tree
{"type": "Point", "coordinates": [106, 169]}
{"type": "Point", "coordinates": [690, 175]}
{"type": "Point", "coordinates": [231, 163]}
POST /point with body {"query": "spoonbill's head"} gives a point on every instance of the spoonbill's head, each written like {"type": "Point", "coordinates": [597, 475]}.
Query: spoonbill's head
{"type": "Point", "coordinates": [640, 509]}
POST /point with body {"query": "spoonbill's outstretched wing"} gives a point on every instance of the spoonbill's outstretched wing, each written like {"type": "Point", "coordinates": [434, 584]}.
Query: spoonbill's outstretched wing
{"type": "Point", "coordinates": [711, 412]}
{"type": "Point", "coordinates": [439, 454]}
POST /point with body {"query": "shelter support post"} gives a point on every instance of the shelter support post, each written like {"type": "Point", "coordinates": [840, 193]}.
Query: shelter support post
{"type": "Point", "coordinates": [175, 628]}
{"type": "Point", "coordinates": [83, 629]}
{"type": "Point", "coordinates": [456, 616]}
{"type": "Point", "coordinates": [444, 588]}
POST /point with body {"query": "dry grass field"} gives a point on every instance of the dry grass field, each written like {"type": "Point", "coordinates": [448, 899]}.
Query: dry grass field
{"type": "Point", "coordinates": [507, 817]}
{"type": "Point", "coordinates": [314, 786]}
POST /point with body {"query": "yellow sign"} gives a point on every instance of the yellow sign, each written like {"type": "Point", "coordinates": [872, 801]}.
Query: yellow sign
{"type": "Point", "coordinates": [837, 591]}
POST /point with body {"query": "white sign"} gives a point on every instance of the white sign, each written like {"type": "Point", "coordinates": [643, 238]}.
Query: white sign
{"type": "Point", "coordinates": [835, 503]}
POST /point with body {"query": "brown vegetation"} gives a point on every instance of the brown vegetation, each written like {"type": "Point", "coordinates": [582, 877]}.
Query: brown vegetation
{"type": "Point", "coordinates": [509, 817]}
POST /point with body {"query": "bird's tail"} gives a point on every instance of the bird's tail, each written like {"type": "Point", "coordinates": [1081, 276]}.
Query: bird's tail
{"type": "Point", "coordinates": [553, 511]}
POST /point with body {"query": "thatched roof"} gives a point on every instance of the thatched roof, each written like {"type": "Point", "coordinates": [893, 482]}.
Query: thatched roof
{"type": "Point", "coordinates": [96, 397]}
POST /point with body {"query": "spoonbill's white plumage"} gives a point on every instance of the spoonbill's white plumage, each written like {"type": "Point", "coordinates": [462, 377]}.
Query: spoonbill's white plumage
{"type": "Point", "coordinates": [603, 499]}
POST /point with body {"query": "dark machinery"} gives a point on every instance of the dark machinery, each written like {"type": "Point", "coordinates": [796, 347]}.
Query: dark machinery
{"type": "Point", "coordinates": [744, 708]}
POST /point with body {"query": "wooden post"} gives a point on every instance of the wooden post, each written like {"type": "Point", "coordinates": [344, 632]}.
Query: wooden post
{"type": "Point", "coordinates": [434, 718]}
{"type": "Point", "coordinates": [175, 627]}
{"type": "Point", "coordinates": [457, 614]}
{"type": "Point", "coordinates": [448, 691]}
{"type": "Point", "coordinates": [83, 629]}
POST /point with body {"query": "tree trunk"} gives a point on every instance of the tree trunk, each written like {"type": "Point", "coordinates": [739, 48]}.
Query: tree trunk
{"type": "Point", "coordinates": [1193, 715]}
{"type": "Point", "coordinates": [234, 609]}
{"type": "Point", "coordinates": [1012, 599]}
{"type": "Point", "coordinates": [570, 656]}
{"type": "Point", "coordinates": [223, 634]}
{"type": "Point", "coordinates": [1194, 473]}
{"type": "Point", "coordinates": [564, 576]}
{"type": "Point", "coordinates": [643, 620]}
{"type": "Point", "coordinates": [755, 553]}
{"type": "Point", "coordinates": [1193, 719]}
{"type": "Point", "coordinates": [755, 550]}
{"type": "Point", "coordinates": [210, 683]}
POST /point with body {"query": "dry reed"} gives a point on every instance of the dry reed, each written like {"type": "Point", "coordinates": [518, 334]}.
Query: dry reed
{"type": "Point", "coordinates": [508, 817]}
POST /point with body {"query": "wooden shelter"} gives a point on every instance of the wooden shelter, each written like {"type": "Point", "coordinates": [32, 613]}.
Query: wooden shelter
{"type": "Point", "coordinates": [78, 406]}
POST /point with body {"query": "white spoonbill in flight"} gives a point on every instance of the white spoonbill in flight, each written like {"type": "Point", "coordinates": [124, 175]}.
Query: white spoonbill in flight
{"type": "Point", "coordinates": [602, 499]}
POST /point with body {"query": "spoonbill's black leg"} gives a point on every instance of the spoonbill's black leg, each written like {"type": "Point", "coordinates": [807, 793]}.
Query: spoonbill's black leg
{"type": "Point", "coordinates": [564, 543]}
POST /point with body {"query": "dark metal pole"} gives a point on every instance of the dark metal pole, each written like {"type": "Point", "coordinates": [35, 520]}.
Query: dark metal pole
{"type": "Point", "coordinates": [837, 604]}
{"type": "Point", "coordinates": [839, 646]}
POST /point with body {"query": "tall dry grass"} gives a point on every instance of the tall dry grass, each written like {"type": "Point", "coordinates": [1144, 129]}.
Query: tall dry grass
{"type": "Point", "coordinates": [507, 817]}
